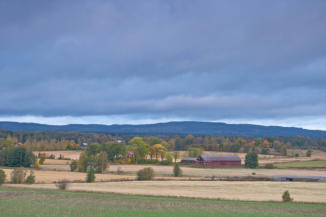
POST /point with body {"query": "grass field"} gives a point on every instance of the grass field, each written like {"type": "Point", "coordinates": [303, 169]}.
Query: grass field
{"type": "Point", "coordinates": [228, 190]}
{"type": "Point", "coordinates": [17, 202]}
{"type": "Point", "coordinates": [303, 164]}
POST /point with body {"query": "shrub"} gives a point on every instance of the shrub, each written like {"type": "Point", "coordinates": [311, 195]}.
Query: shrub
{"type": "Point", "coordinates": [308, 153]}
{"type": "Point", "coordinates": [73, 165]}
{"type": "Point", "coordinates": [286, 197]}
{"type": "Point", "coordinates": [251, 160]}
{"type": "Point", "coordinates": [2, 177]}
{"type": "Point", "coordinates": [265, 151]}
{"type": "Point", "coordinates": [37, 165]}
{"type": "Point", "coordinates": [62, 184]}
{"type": "Point", "coordinates": [31, 178]}
{"type": "Point", "coordinates": [296, 155]}
{"type": "Point", "coordinates": [164, 162]}
{"type": "Point", "coordinates": [18, 175]}
{"type": "Point", "coordinates": [269, 166]}
{"type": "Point", "coordinates": [42, 158]}
{"type": "Point", "coordinates": [52, 156]}
{"type": "Point", "coordinates": [169, 158]}
{"type": "Point", "coordinates": [147, 161]}
{"type": "Point", "coordinates": [177, 172]}
{"type": "Point", "coordinates": [90, 175]}
{"type": "Point", "coordinates": [145, 174]}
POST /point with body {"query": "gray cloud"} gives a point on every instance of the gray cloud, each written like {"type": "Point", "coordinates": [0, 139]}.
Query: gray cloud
{"type": "Point", "coordinates": [193, 59]}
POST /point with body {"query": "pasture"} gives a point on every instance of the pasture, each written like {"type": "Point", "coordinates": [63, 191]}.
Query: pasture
{"type": "Point", "coordinates": [303, 164]}
{"type": "Point", "coordinates": [194, 194]}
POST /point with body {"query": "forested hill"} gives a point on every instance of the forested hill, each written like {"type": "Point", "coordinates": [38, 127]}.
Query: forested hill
{"type": "Point", "coordinates": [173, 128]}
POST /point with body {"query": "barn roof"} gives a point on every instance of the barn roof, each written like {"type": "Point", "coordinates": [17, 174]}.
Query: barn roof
{"type": "Point", "coordinates": [214, 157]}
{"type": "Point", "coordinates": [189, 159]}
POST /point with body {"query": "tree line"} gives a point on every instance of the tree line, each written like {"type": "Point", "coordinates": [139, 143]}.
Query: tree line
{"type": "Point", "coordinates": [43, 141]}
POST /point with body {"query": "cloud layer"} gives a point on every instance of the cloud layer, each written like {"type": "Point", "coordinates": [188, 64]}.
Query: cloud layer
{"type": "Point", "coordinates": [197, 60]}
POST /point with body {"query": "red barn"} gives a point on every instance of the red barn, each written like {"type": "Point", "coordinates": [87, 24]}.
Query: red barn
{"type": "Point", "coordinates": [219, 160]}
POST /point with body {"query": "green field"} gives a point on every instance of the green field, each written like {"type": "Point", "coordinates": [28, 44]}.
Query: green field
{"type": "Point", "coordinates": [26, 202]}
{"type": "Point", "coordinates": [303, 164]}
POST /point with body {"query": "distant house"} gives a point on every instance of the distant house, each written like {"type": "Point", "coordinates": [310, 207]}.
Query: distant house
{"type": "Point", "coordinates": [189, 160]}
{"type": "Point", "coordinates": [84, 145]}
{"type": "Point", "coordinates": [119, 140]}
{"type": "Point", "coordinates": [219, 160]}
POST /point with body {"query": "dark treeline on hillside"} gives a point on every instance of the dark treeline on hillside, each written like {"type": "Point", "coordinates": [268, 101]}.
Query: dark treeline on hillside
{"type": "Point", "coordinates": [72, 140]}
{"type": "Point", "coordinates": [172, 128]}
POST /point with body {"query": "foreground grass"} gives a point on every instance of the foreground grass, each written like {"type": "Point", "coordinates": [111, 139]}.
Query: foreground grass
{"type": "Point", "coordinates": [28, 202]}
{"type": "Point", "coordinates": [303, 164]}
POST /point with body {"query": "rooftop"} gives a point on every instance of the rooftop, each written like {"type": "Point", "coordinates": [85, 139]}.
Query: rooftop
{"type": "Point", "coordinates": [214, 157]}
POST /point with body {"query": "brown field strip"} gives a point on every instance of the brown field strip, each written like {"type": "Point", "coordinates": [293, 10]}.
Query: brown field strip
{"type": "Point", "coordinates": [249, 191]}
{"type": "Point", "coordinates": [43, 176]}
{"type": "Point", "coordinates": [46, 176]}
{"type": "Point", "coordinates": [49, 175]}
{"type": "Point", "coordinates": [218, 172]}
{"type": "Point", "coordinates": [73, 155]}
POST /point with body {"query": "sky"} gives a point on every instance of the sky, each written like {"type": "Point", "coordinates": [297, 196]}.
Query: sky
{"type": "Point", "coordinates": [117, 62]}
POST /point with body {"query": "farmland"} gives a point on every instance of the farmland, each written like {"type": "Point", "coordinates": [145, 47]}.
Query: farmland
{"type": "Point", "coordinates": [162, 172]}
{"type": "Point", "coordinates": [49, 203]}
{"type": "Point", "coordinates": [229, 190]}
{"type": "Point", "coordinates": [263, 159]}
{"type": "Point", "coordinates": [198, 191]}
{"type": "Point", "coordinates": [303, 164]}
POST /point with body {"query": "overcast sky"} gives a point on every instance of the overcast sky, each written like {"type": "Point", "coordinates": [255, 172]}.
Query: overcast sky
{"type": "Point", "coordinates": [139, 61]}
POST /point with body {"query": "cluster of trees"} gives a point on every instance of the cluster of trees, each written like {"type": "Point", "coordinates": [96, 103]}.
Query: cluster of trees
{"type": "Point", "coordinates": [18, 176]}
{"type": "Point", "coordinates": [48, 141]}
{"type": "Point", "coordinates": [42, 141]}
{"type": "Point", "coordinates": [16, 157]}
{"type": "Point", "coordinates": [98, 155]}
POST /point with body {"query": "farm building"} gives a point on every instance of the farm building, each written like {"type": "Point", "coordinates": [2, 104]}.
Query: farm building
{"type": "Point", "coordinates": [188, 160]}
{"type": "Point", "coordinates": [219, 160]}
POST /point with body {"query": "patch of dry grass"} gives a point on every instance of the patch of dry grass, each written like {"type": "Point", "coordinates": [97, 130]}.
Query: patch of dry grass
{"type": "Point", "coordinates": [197, 172]}
{"type": "Point", "coordinates": [47, 176]}
{"type": "Point", "coordinates": [43, 176]}
{"type": "Point", "coordinates": [73, 155]}
{"type": "Point", "coordinates": [218, 172]}
{"type": "Point", "coordinates": [249, 191]}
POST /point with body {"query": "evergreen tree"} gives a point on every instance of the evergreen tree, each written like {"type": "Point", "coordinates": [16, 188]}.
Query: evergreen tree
{"type": "Point", "coordinates": [251, 160]}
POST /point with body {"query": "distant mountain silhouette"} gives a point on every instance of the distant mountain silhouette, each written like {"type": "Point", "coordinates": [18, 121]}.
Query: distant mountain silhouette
{"type": "Point", "coordinates": [172, 128]}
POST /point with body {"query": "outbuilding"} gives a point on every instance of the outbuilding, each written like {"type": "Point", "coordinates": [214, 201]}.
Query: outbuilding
{"type": "Point", "coordinates": [189, 160]}
{"type": "Point", "coordinates": [219, 160]}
